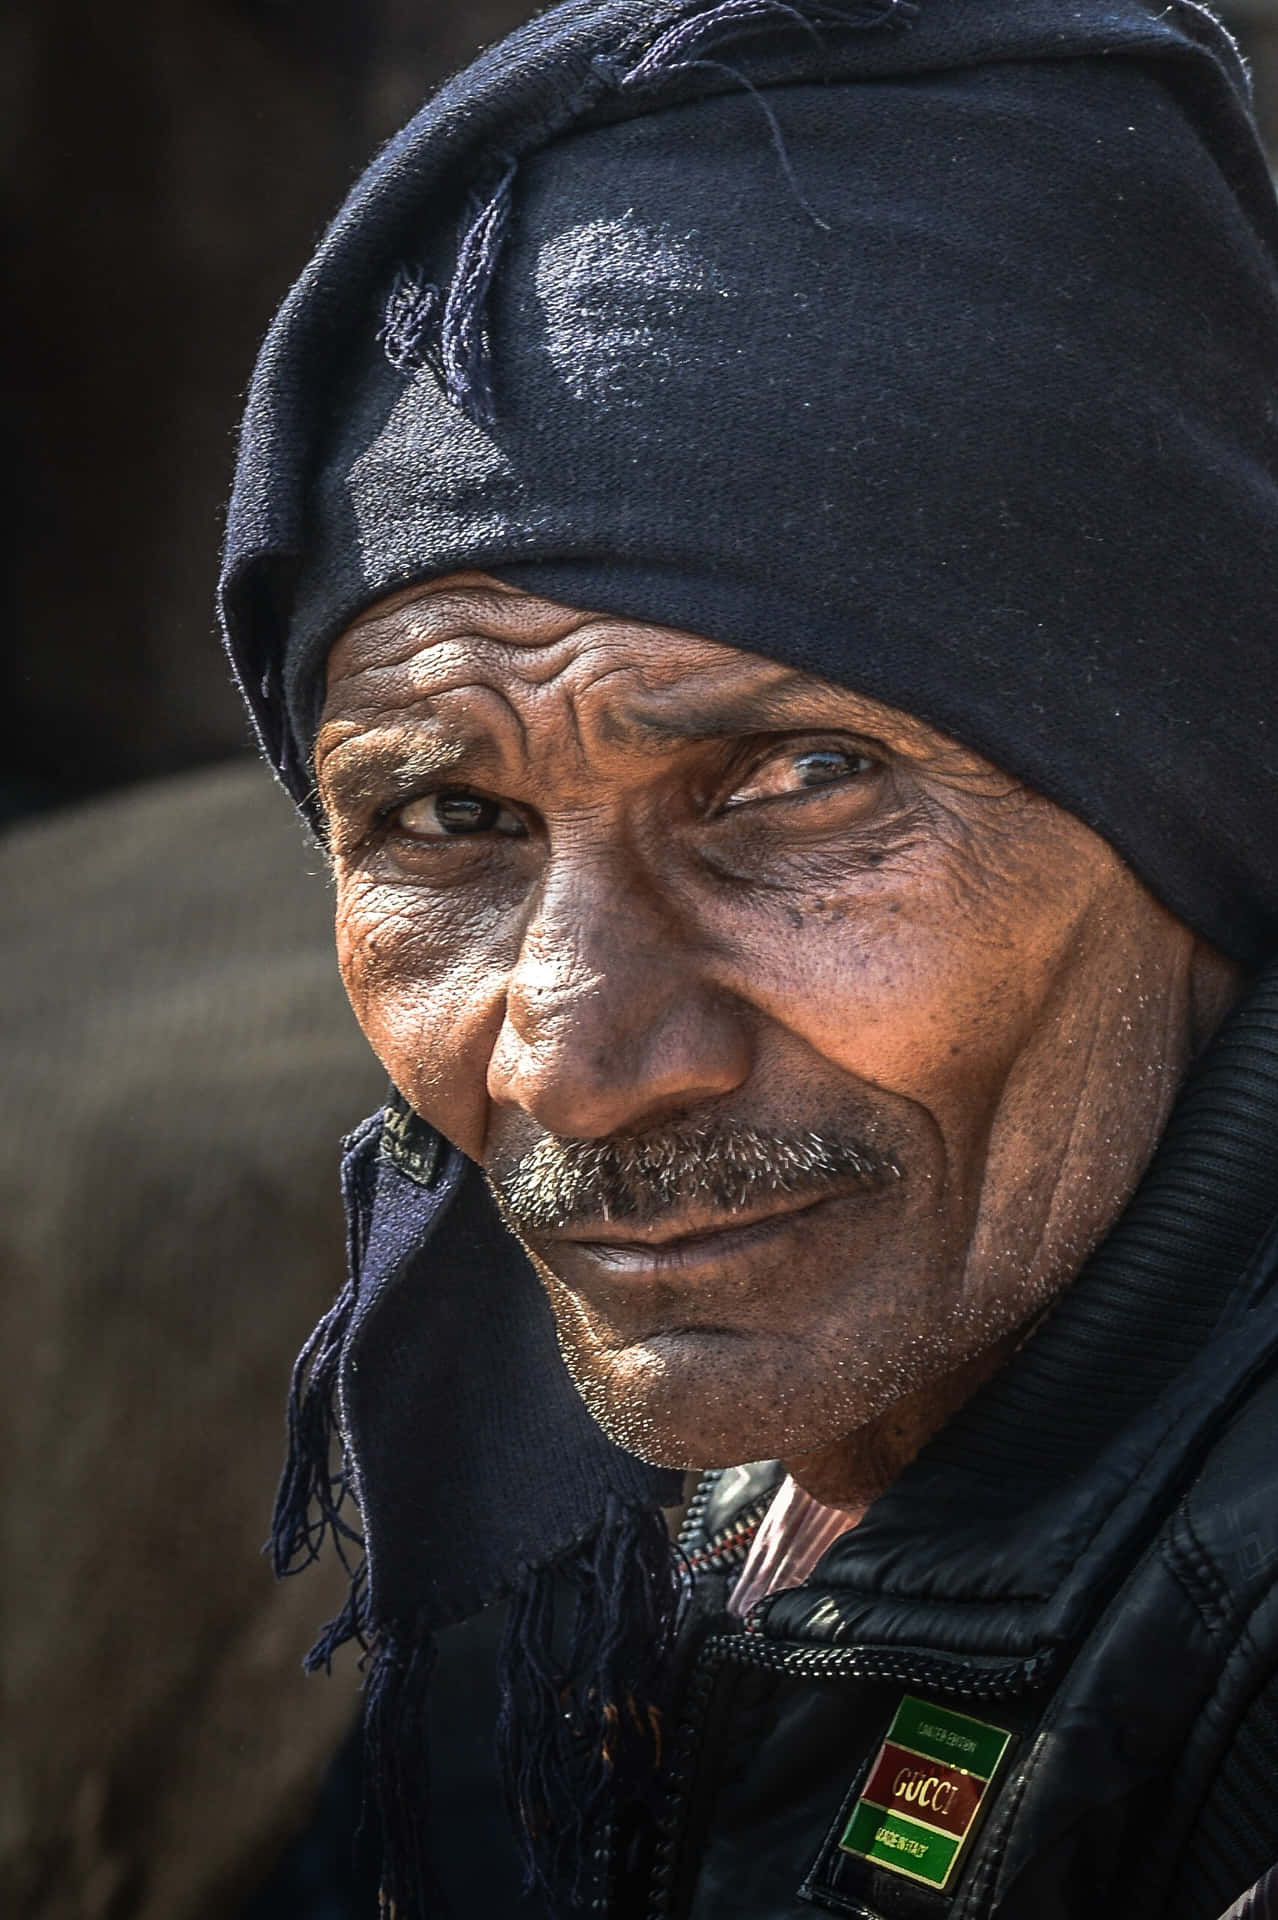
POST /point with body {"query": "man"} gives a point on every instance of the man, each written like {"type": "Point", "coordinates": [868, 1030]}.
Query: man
{"type": "Point", "coordinates": [754, 543]}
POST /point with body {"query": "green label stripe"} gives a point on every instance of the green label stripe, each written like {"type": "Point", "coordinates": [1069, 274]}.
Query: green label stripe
{"type": "Point", "coordinates": [951, 1737]}
{"type": "Point", "coordinates": [901, 1844]}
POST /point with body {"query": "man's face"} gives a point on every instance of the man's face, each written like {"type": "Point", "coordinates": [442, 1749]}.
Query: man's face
{"type": "Point", "coordinates": [807, 1052]}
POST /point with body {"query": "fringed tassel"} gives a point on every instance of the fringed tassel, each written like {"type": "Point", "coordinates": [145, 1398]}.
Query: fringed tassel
{"type": "Point", "coordinates": [583, 1677]}
{"type": "Point", "coordinates": [350, 1624]}
{"type": "Point", "coordinates": [397, 1769]}
{"type": "Point", "coordinates": [311, 1495]}
{"type": "Point", "coordinates": [464, 344]}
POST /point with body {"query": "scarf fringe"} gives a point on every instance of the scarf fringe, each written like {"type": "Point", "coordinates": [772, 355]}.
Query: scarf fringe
{"type": "Point", "coordinates": [309, 1502]}
{"type": "Point", "coordinates": [351, 1623]}
{"type": "Point", "coordinates": [583, 1668]}
{"type": "Point", "coordinates": [583, 1677]}
{"type": "Point", "coordinates": [397, 1769]}
{"type": "Point", "coordinates": [312, 1492]}
{"type": "Point", "coordinates": [449, 333]}
{"type": "Point", "coordinates": [583, 1682]}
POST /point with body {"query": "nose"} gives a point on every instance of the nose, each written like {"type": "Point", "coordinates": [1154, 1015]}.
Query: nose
{"type": "Point", "coordinates": [612, 1017]}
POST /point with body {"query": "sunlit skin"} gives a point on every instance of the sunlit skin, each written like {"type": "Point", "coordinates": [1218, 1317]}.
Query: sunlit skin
{"type": "Point", "coordinates": [595, 877]}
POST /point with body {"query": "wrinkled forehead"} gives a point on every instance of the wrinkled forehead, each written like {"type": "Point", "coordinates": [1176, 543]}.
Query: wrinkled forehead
{"type": "Point", "coordinates": [454, 644]}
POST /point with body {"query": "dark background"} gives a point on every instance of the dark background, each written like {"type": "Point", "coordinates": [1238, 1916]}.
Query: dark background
{"type": "Point", "coordinates": [167, 166]}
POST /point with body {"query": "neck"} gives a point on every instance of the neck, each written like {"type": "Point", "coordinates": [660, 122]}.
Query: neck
{"type": "Point", "coordinates": [854, 1471]}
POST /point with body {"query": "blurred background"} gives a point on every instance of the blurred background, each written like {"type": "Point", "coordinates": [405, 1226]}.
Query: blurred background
{"type": "Point", "coordinates": [177, 1061]}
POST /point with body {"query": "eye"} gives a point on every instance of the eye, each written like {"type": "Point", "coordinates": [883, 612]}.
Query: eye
{"type": "Point", "coordinates": [454, 813]}
{"type": "Point", "coordinates": [797, 770]}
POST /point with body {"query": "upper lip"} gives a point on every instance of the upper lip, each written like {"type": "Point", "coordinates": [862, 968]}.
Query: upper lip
{"type": "Point", "coordinates": [668, 1232]}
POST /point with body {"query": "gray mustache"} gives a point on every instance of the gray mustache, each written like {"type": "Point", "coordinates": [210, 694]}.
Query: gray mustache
{"type": "Point", "coordinates": [726, 1169]}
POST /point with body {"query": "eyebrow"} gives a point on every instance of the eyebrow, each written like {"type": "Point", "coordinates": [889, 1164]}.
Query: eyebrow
{"type": "Point", "coordinates": [778, 708]}
{"type": "Point", "coordinates": [371, 765]}
{"type": "Point", "coordinates": [388, 764]}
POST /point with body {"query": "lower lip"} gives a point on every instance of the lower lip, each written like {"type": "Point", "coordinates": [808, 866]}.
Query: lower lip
{"type": "Point", "coordinates": [696, 1249]}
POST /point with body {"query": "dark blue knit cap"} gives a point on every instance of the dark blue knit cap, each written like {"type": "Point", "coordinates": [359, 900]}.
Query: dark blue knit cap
{"type": "Point", "coordinates": [931, 349]}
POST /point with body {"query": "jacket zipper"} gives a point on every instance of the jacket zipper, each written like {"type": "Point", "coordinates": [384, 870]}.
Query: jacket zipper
{"type": "Point", "coordinates": [729, 1547]}
{"type": "Point", "coordinates": [906, 1666]}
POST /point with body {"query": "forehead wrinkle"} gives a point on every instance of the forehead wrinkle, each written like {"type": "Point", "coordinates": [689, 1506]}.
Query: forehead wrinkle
{"type": "Point", "coordinates": [396, 629]}
{"type": "Point", "coordinates": [486, 622]}
{"type": "Point", "coordinates": [455, 690]}
{"type": "Point", "coordinates": [662, 701]}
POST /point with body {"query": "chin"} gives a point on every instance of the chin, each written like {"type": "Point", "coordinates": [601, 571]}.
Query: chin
{"type": "Point", "coordinates": [701, 1399]}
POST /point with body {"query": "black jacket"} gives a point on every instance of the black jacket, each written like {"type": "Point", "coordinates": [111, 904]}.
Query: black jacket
{"type": "Point", "coordinates": [1072, 1591]}
{"type": "Point", "coordinates": [1041, 1676]}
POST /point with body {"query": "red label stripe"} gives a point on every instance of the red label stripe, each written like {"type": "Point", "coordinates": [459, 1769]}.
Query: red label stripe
{"type": "Point", "coordinates": [925, 1790]}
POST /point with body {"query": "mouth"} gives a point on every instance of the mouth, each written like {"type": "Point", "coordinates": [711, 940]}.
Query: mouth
{"type": "Point", "coordinates": [669, 1246]}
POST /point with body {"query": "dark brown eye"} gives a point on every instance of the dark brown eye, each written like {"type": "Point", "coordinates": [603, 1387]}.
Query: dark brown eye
{"type": "Point", "coordinates": [824, 764]}
{"type": "Point", "coordinates": [453, 813]}
{"type": "Point", "coordinates": [466, 813]}
{"type": "Point", "coordinates": [796, 770]}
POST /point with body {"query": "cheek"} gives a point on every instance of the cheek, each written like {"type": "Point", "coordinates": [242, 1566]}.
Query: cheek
{"type": "Point", "coordinates": [902, 992]}
{"type": "Point", "coordinates": [427, 989]}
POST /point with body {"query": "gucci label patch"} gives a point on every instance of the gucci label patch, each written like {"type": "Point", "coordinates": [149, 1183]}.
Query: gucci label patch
{"type": "Point", "coordinates": [925, 1790]}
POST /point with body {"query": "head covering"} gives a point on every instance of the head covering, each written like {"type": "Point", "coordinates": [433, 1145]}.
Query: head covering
{"type": "Point", "coordinates": [929, 347]}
